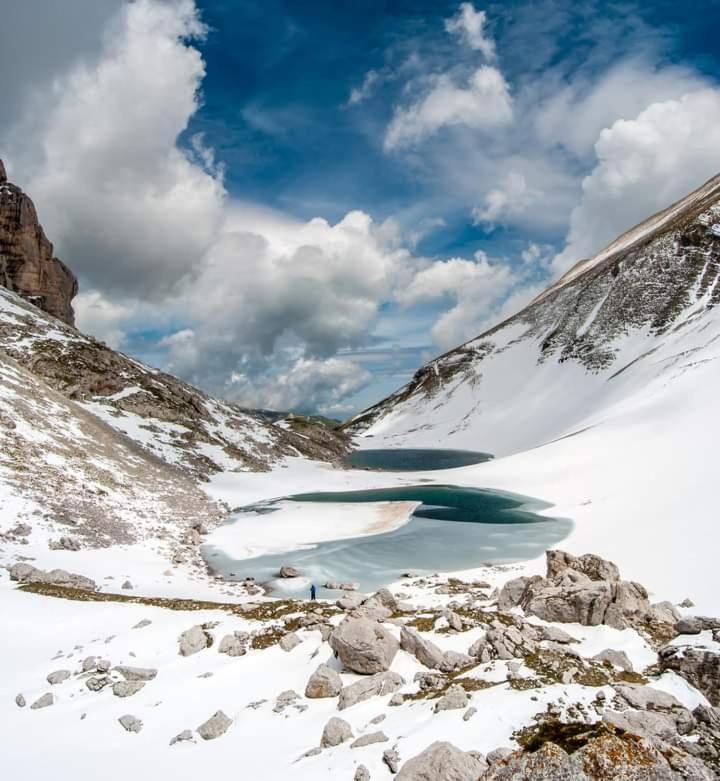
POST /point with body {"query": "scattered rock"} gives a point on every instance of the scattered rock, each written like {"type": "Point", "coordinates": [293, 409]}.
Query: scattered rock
{"type": "Point", "coordinates": [181, 737]}
{"type": "Point", "coordinates": [127, 585]}
{"type": "Point", "coordinates": [687, 602]}
{"type": "Point", "coordinates": [454, 620]}
{"type": "Point", "coordinates": [127, 688]}
{"type": "Point", "coordinates": [453, 660]}
{"type": "Point", "coordinates": [455, 698]}
{"type": "Point", "coordinates": [89, 663]}
{"type": "Point", "coordinates": [369, 739]}
{"type": "Point", "coordinates": [363, 646]}
{"type": "Point", "coordinates": [58, 676]}
{"type": "Point", "coordinates": [374, 686]}
{"type": "Point", "coordinates": [20, 701]}
{"type": "Point", "coordinates": [336, 731]}
{"type": "Point", "coordinates": [361, 774]}
{"type": "Point", "coordinates": [289, 572]}
{"type": "Point", "coordinates": [350, 601]}
{"type": "Point", "coordinates": [285, 699]}
{"type": "Point", "coordinates": [217, 725]}
{"type": "Point", "coordinates": [194, 639]}
{"type": "Point", "coordinates": [391, 758]}
{"type": "Point", "coordinates": [324, 682]}
{"type": "Point", "coordinates": [700, 667]}
{"type": "Point", "coordinates": [378, 719]}
{"type": "Point", "coordinates": [24, 573]}
{"type": "Point", "coordinates": [98, 682]}
{"type": "Point", "coordinates": [425, 651]}
{"type": "Point", "coordinates": [469, 713]}
{"type": "Point", "coordinates": [234, 644]}
{"type": "Point", "coordinates": [333, 585]}
{"type": "Point", "coordinates": [43, 702]}
{"type": "Point", "coordinates": [616, 658]}
{"type": "Point", "coordinates": [136, 673]}
{"type": "Point", "coordinates": [130, 723]}
{"type": "Point", "coordinates": [289, 641]}
{"type": "Point", "coordinates": [397, 699]}
{"type": "Point", "coordinates": [142, 623]}
{"type": "Point", "coordinates": [65, 543]}
{"type": "Point", "coordinates": [441, 761]}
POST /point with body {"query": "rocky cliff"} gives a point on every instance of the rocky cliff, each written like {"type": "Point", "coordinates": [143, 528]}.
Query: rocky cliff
{"type": "Point", "coordinates": [27, 265]}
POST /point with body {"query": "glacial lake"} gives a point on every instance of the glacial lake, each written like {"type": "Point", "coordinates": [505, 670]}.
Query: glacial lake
{"type": "Point", "coordinates": [454, 528]}
{"type": "Point", "coordinates": [414, 459]}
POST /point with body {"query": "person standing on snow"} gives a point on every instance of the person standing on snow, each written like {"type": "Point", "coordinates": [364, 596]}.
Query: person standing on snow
{"type": "Point", "coordinates": [313, 592]}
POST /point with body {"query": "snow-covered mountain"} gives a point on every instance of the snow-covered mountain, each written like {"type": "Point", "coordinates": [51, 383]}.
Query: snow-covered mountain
{"type": "Point", "coordinates": [617, 328]}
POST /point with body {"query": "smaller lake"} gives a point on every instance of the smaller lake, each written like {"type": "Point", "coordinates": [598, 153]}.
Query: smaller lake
{"type": "Point", "coordinates": [414, 460]}
{"type": "Point", "coordinates": [454, 528]}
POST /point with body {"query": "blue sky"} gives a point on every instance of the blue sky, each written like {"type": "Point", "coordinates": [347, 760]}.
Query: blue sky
{"type": "Point", "coordinates": [294, 204]}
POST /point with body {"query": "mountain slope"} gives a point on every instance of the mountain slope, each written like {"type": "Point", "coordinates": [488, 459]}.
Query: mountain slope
{"type": "Point", "coordinates": [599, 335]}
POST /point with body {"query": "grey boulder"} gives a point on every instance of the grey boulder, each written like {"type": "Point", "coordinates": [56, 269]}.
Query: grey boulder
{"type": "Point", "coordinates": [374, 686]}
{"type": "Point", "coordinates": [58, 677]}
{"type": "Point", "coordinates": [130, 723]}
{"type": "Point", "coordinates": [324, 682]}
{"type": "Point", "coordinates": [218, 724]}
{"type": "Point", "coordinates": [194, 639]}
{"type": "Point", "coordinates": [336, 731]}
{"type": "Point", "coordinates": [363, 646]}
{"type": "Point", "coordinates": [425, 651]}
{"type": "Point", "coordinates": [442, 761]}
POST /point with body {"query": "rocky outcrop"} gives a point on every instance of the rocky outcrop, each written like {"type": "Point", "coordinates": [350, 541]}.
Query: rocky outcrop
{"type": "Point", "coordinates": [27, 265]}
{"type": "Point", "coordinates": [26, 573]}
{"type": "Point", "coordinates": [698, 666]}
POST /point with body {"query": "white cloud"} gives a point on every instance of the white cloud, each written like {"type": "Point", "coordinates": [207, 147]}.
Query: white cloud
{"type": "Point", "coordinates": [307, 384]}
{"type": "Point", "coordinates": [366, 89]}
{"type": "Point", "coordinates": [644, 164]}
{"type": "Point", "coordinates": [469, 25]}
{"type": "Point", "coordinates": [513, 197]}
{"type": "Point", "coordinates": [104, 319]}
{"type": "Point", "coordinates": [483, 102]}
{"type": "Point", "coordinates": [131, 211]}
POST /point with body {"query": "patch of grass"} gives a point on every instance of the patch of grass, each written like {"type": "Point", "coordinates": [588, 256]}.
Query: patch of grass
{"type": "Point", "coordinates": [570, 737]}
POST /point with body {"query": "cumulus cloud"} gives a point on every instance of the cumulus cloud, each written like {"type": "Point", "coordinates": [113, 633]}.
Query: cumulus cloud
{"type": "Point", "coordinates": [469, 25]}
{"type": "Point", "coordinates": [514, 196]}
{"type": "Point", "coordinates": [643, 165]}
{"type": "Point", "coordinates": [104, 319]}
{"type": "Point", "coordinates": [133, 211]}
{"type": "Point", "coordinates": [484, 101]}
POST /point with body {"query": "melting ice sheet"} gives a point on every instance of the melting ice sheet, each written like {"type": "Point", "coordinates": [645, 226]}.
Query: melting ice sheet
{"type": "Point", "coordinates": [449, 528]}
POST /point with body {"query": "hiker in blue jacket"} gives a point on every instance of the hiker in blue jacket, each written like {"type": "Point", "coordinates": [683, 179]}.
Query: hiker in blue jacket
{"type": "Point", "coordinates": [313, 592]}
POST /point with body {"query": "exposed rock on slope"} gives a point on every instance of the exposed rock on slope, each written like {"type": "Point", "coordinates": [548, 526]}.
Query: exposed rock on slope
{"type": "Point", "coordinates": [576, 348]}
{"type": "Point", "coordinates": [27, 265]}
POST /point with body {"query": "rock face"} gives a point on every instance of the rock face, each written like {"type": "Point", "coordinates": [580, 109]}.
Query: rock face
{"type": "Point", "coordinates": [363, 646]}
{"type": "Point", "coordinates": [27, 265]}
{"type": "Point", "coordinates": [442, 761]}
{"type": "Point", "coordinates": [699, 666]}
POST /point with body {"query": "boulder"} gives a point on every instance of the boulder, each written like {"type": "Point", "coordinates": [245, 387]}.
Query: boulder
{"type": "Point", "coordinates": [289, 572]}
{"type": "Point", "coordinates": [441, 761]}
{"type": "Point", "coordinates": [181, 737]}
{"type": "Point", "coordinates": [98, 682]}
{"type": "Point", "coordinates": [130, 723]}
{"type": "Point", "coordinates": [511, 593]}
{"type": "Point", "coordinates": [324, 682]}
{"type": "Point", "coordinates": [350, 601]}
{"type": "Point", "coordinates": [65, 543]}
{"type": "Point", "coordinates": [334, 585]}
{"type": "Point", "coordinates": [454, 699]}
{"type": "Point", "coordinates": [374, 686]}
{"type": "Point", "coordinates": [425, 651]}
{"type": "Point", "coordinates": [391, 758]}
{"type": "Point", "coordinates": [194, 639]}
{"type": "Point", "coordinates": [363, 646]}
{"type": "Point", "coordinates": [336, 731]}
{"type": "Point", "coordinates": [58, 676]}
{"type": "Point", "coordinates": [20, 701]}
{"type": "Point", "coordinates": [127, 688]}
{"type": "Point", "coordinates": [454, 620]}
{"type": "Point", "coordinates": [136, 673]}
{"type": "Point", "coordinates": [218, 724]}
{"type": "Point", "coordinates": [385, 597]}
{"type": "Point", "coordinates": [372, 610]}
{"type": "Point", "coordinates": [454, 660]}
{"type": "Point", "coordinates": [369, 739]}
{"type": "Point", "coordinates": [289, 641]}
{"type": "Point", "coordinates": [24, 573]}
{"type": "Point", "coordinates": [616, 658]}
{"type": "Point", "coordinates": [234, 644]}
{"type": "Point", "coordinates": [361, 774]}
{"type": "Point", "coordinates": [43, 702]}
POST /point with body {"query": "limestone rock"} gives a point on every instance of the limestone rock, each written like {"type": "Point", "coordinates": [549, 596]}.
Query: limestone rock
{"type": "Point", "coordinates": [324, 682]}
{"type": "Point", "coordinates": [27, 265]}
{"type": "Point", "coordinates": [43, 702]}
{"type": "Point", "coordinates": [65, 543]}
{"type": "Point", "coordinates": [454, 660]}
{"type": "Point", "coordinates": [288, 572]}
{"type": "Point", "coordinates": [374, 686]}
{"type": "Point", "coordinates": [336, 731]}
{"type": "Point", "coordinates": [616, 658]}
{"type": "Point", "coordinates": [363, 646]}
{"type": "Point", "coordinates": [218, 724]}
{"type": "Point", "coordinates": [391, 758]}
{"type": "Point", "coordinates": [350, 601]}
{"type": "Point", "coordinates": [454, 699]}
{"type": "Point", "coordinates": [698, 666]}
{"type": "Point", "coordinates": [127, 688]}
{"type": "Point", "coordinates": [98, 682]}
{"type": "Point", "coordinates": [130, 723]}
{"type": "Point", "coordinates": [289, 641]}
{"type": "Point", "coordinates": [20, 701]}
{"type": "Point", "coordinates": [25, 573]}
{"type": "Point", "coordinates": [591, 565]}
{"type": "Point", "coordinates": [58, 676]}
{"type": "Point", "coordinates": [136, 673]}
{"type": "Point", "coordinates": [441, 761]}
{"type": "Point", "coordinates": [234, 644]}
{"type": "Point", "coordinates": [181, 737]}
{"type": "Point", "coordinates": [361, 774]}
{"type": "Point", "coordinates": [425, 651]}
{"type": "Point", "coordinates": [194, 639]}
{"type": "Point", "coordinates": [369, 739]}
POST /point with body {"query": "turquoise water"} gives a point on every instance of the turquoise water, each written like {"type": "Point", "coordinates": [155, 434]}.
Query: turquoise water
{"type": "Point", "coordinates": [414, 460]}
{"type": "Point", "coordinates": [454, 528]}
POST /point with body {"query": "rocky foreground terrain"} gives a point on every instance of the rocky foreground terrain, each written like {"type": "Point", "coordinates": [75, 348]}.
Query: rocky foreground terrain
{"type": "Point", "coordinates": [572, 675]}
